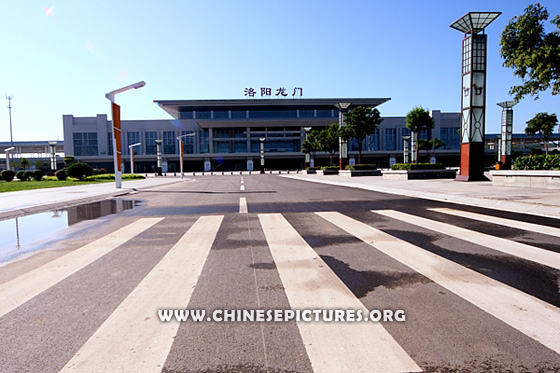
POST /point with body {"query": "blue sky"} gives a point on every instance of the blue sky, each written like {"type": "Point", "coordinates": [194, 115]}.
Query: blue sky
{"type": "Point", "coordinates": [62, 56]}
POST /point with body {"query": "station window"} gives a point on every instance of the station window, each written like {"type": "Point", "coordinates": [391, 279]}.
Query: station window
{"type": "Point", "coordinates": [85, 143]}
{"type": "Point", "coordinates": [169, 141]}
{"type": "Point", "coordinates": [151, 147]}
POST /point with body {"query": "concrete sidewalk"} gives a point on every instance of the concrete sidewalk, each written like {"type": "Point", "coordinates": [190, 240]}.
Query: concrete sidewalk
{"type": "Point", "coordinates": [541, 202]}
{"type": "Point", "coordinates": [30, 201]}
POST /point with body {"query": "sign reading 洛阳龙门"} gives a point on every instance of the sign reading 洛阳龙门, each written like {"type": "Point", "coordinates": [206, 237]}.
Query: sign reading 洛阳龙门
{"type": "Point", "coordinates": [268, 92]}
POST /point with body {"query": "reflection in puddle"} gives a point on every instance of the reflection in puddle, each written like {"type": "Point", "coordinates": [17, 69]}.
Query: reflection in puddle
{"type": "Point", "coordinates": [28, 233]}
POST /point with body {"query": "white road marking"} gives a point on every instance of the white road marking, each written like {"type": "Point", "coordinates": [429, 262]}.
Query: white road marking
{"type": "Point", "coordinates": [528, 252]}
{"type": "Point", "coordinates": [23, 288]}
{"type": "Point", "coordinates": [310, 284]}
{"type": "Point", "coordinates": [533, 317]}
{"type": "Point", "coordinates": [242, 187]}
{"type": "Point", "coordinates": [243, 205]}
{"type": "Point", "coordinates": [551, 231]}
{"type": "Point", "coordinates": [133, 339]}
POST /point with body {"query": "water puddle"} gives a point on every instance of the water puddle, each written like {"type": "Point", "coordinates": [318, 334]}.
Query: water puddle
{"type": "Point", "coordinates": [30, 232]}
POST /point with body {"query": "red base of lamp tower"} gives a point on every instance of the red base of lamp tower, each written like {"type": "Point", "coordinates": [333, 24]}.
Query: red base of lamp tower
{"type": "Point", "coordinates": [472, 162]}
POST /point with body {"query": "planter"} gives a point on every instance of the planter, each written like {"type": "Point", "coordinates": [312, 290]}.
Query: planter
{"type": "Point", "coordinates": [327, 172]}
{"type": "Point", "coordinates": [354, 173]}
{"type": "Point", "coordinates": [526, 179]}
{"type": "Point", "coordinates": [419, 174]}
{"type": "Point", "coordinates": [311, 171]}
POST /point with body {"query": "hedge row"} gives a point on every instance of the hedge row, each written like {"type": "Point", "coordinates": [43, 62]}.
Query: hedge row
{"type": "Point", "coordinates": [80, 171]}
{"type": "Point", "coordinates": [417, 166]}
{"type": "Point", "coordinates": [112, 177]}
{"type": "Point", "coordinates": [537, 162]}
{"type": "Point", "coordinates": [361, 167]}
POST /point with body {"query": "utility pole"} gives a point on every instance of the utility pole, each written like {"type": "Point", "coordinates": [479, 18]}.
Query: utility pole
{"type": "Point", "coordinates": [10, 98]}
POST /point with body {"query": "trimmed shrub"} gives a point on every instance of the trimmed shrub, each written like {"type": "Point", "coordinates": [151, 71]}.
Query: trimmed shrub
{"type": "Point", "coordinates": [361, 167]}
{"type": "Point", "coordinates": [79, 170]}
{"type": "Point", "coordinates": [417, 166]}
{"type": "Point", "coordinates": [537, 162]}
{"type": "Point", "coordinates": [38, 175]}
{"type": "Point", "coordinates": [20, 176]}
{"type": "Point", "coordinates": [329, 168]}
{"type": "Point", "coordinates": [69, 159]}
{"type": "Point", "coordinates": [8, 175]}
{"type": "Point", "coordinates": [28, 175]}
{"type": "Point", "coordinates": [314, 168]}
{"type": "Point", "coordinates": [61, 175]}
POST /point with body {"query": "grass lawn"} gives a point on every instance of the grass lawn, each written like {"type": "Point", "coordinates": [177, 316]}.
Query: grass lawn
{"type": "Point", "coordinates": [27, 185]}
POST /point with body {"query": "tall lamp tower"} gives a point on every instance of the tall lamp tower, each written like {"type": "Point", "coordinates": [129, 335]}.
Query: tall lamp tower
{"type": "Point", "coordinates": [473, 93]}
{"type": "Point", "coordinates": [507, 133]}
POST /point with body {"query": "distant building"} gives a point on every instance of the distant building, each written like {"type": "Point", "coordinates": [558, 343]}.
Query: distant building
{"type": "Point", "coordinates": [226, 135]}
{"type": "Point", "coordinates": [39, 153]}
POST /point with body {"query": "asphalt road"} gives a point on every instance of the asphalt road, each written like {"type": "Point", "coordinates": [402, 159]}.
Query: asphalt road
{"type": "Point", "coordinates": [478, 295]}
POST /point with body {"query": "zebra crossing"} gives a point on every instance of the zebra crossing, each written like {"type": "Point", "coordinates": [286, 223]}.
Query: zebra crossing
{"type": "Point", "coordinates": [132, 338]}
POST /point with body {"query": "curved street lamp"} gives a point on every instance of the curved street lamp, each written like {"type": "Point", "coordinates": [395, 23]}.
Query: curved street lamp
{"type": "Point", "coordinates": [182, 151]}
{"type": "Point", "coordinates": [131, 151]}
{"type": "Point", "coordinates": [8, 150]}
{"type": "Point", "coordinates": [116, 116]}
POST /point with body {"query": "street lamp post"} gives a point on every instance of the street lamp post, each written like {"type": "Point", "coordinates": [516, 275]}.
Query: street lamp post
{"type": "Point", "coordinates": [116, 116]}
{"type": "Point", "coordinates": [307, 155]}
{"type": "Point", "coordinates": [158, 151]}
{"type": "Point", "coordinates": [342, 144]}
{"type": "Point", "coordinates": [182, 152]}
{"type": "Point", "coordinates": [8, 150]}
{"type": "Point", "coordinates": [52, 145]}
{"type": "Point", "coordinates": [131, 151]}
{"type": "Point", "coordinates": [405, 148]}
{"type": "Point", "coordinates": [261, 139]}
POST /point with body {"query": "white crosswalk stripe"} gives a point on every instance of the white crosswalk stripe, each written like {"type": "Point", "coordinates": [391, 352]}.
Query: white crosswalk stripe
{"type": "Point", "coordinates": [133, 339]}
{"type": "Point", "coordinates": [528, 252]}
{"type": "Point", "coordinates": [551, 231]}
{"type": "Point", "coordinates": [310, 284]}
{"type": "Point", "coordinates": [535, 318]}
{"type": "Point", "coordinates": [23, 288]}
{"type": "Point", "coordinates": [243, 205]}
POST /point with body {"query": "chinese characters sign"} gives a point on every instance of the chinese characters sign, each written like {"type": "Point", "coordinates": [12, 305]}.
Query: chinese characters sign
{"type": "Point", "coordinates": [268, 92]}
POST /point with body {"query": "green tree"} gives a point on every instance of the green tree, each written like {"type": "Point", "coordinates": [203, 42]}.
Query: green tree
{"type": "Point", "coordinates": [311, 144]}
{"type": "Point", "coordinates": [542, 124]}
{"type": "Point", "coordinates": [360, 123]}
{"type": "Point", "coordinates": [532, 53]}
{"type": "Point", "coordinates": [425, 145]}
{"type": "Point", "coordinates": [24, 163]}
{"type": "Point", "coordinates": [416, 120]}
{"type": "Point", "coordinates": [430, 146]}
{"type": "Point", "coordinates": [328, 140]}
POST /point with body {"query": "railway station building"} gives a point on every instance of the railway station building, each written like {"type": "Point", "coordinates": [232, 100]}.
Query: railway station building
{"type": "Point", "coordinates": [225, 135]}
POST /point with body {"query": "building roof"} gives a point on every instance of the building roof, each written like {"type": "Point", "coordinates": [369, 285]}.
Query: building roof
{"type": "Point", "coordinates": [173, 107]}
